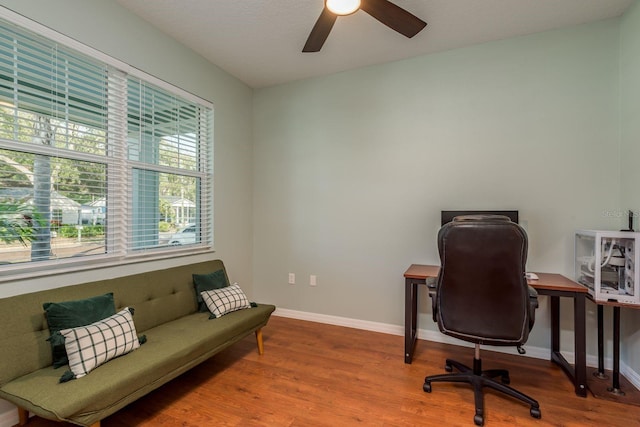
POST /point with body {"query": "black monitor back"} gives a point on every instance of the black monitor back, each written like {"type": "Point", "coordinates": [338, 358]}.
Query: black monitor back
{"type": "Point", "coordinates": [447, 216]}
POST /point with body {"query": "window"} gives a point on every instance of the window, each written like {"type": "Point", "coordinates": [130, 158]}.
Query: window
{"type": "Point", "coordinates": [98, 162]}
{"type": "Point", "coordinates": [163, 149]}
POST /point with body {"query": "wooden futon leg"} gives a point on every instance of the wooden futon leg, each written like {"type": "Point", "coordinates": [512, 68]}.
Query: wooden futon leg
{"type": "Point", "coordinates": [23, 416]}
{"type": "Point", "coordinates": [259, 341]}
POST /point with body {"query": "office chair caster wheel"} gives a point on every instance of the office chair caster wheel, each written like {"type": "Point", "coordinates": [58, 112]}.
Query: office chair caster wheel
{"type": "Point", "coordinates": [478, 420]}
{"type": "Point", "coordinates": [535, 413]}
{"type": "Point", "coordinates": [427, 387]}
{"type": "Point", "coordinates": [448, 368]}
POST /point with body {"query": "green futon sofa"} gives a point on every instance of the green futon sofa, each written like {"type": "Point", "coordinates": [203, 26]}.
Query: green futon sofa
{"type": "Point", "coordinates": [178, 337]}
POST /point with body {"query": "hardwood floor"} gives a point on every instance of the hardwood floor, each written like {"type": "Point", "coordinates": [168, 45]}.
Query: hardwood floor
{"type": "Point", "coordinates": [320, 375]}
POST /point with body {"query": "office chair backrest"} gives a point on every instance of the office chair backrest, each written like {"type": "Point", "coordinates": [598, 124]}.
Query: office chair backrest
{"type": "Point", "coordinates": [482, 291]}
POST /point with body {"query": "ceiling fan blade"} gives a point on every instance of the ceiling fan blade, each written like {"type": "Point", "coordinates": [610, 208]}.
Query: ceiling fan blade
{"type": "Point", "coordinates": [394, 17]}
{"type": "Point", "coordinates": [320, 31]}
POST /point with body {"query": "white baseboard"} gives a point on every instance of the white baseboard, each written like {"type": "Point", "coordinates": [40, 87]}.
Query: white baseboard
{"type": "Point", "coordinates": [535, 352]}
{"type": "Point", "coordinates": [9, 418]}
{"type": "Point", "coordinates": [628, 373]}
{"type": "Point", "coordinates": [341, 321]}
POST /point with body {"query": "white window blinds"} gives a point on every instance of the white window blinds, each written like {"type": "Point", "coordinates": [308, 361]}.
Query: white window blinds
{"type": "Point", "coordinates": [166, 141]}
{"type": "Point", "coordinates": [93, 161]}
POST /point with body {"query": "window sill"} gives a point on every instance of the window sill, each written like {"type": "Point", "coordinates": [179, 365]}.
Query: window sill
{"type": "Point", "coordinates": [24, 271]}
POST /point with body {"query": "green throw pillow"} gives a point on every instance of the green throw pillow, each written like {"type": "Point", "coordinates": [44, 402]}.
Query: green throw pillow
{"type": "Point", "coordinates": [72, 314]}
{"type": "Point", "coordinates": [208, 282]}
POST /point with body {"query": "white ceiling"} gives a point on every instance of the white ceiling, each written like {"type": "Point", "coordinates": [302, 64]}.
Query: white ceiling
{"type": "Point", "coordinates": [260, 41]}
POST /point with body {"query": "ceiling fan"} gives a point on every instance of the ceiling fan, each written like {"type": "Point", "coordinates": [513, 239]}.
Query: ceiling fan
{"type": "Point", "coordinates": [384, 11]}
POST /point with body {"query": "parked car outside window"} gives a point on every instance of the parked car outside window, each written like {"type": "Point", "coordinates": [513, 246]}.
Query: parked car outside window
{"type": "Point", "coordinates": [186, 236]}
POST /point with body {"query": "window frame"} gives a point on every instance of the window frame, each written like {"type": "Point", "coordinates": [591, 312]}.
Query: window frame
{"type": "Point", "coordinates": [121, 251]}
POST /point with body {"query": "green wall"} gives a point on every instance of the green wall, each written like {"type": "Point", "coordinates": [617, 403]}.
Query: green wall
{"type": "Point", "coordinates": [352, 170]}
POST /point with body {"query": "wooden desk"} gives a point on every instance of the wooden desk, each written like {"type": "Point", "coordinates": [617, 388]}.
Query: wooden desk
{"type": "Point", "coordinates": [552, 285]}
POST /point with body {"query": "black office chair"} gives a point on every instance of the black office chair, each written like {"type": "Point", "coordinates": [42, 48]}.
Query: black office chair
{"type": "Point", "coordinates": [481, 296]}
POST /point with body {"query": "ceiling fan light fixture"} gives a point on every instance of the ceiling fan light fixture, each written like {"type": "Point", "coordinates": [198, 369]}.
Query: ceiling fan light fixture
{"type": "Point", "coordinates": [388, 13]}
{"type": "Point", "coordinates": [343, 7]}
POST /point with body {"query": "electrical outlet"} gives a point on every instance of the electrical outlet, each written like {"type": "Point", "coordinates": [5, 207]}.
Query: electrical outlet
{"type": "Point", "coordinates": [313, 280]}
{"type": "Point", "coordinates": [292, 278]}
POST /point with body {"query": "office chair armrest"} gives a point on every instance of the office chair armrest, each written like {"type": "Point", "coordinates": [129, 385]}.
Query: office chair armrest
{"type": "Point", "coordinates": [533, 304]}
{"type": "Point", "coordinates": [432, 286]}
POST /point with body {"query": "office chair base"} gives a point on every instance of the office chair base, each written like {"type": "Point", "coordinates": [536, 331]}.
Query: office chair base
{"type": "Point", "coordinates": [489, 373]}
{"type": "Point", "coordinates": [478, 380]}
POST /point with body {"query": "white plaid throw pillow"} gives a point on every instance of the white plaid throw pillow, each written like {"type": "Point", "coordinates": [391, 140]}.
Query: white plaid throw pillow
{"type": "Point", "coordinates": [225, 300]}
{"type": "Point", "coordinates": [90, 346]}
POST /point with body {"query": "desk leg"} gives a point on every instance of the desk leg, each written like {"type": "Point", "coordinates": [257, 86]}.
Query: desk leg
{"type": "Point", "coordinates": [600, 373]}
{"type": "Point", "coordinates": [578, 372]}
{"type": "Point", "coordinates": [580, 346]}
{"type": "Point", "coordinates": [616, 353]}
{"type": "Point", "coordinates": [555, 324]}
{"type": "Point", "coordinates": [410, 318]}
